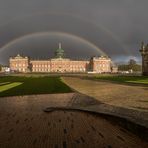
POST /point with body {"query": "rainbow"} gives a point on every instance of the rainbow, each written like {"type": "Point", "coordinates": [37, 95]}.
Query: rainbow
{"type": "Point", "coordinates": [54, 33]}
{"type": "Point", "coordinates": [99, 26]}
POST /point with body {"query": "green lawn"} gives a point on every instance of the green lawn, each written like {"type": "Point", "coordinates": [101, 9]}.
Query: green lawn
{"type": "Point", "coordinates": [14, 85]}
{"type": "Point", "coordinates": [124, 79]}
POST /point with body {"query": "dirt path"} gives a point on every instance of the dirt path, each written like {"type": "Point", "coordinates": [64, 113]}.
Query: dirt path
{"type": "Point", "coordinates": [132, 97]}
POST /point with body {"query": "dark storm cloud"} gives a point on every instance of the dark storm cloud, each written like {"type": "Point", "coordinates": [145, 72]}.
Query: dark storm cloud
{"type": "Point", "coordinates": [116, 26]}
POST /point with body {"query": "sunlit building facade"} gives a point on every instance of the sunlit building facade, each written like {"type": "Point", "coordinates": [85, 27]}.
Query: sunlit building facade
{"type": "Point", "coordinates": [19, 63]}
{"type": "Point", "coordinates": [60, 64]}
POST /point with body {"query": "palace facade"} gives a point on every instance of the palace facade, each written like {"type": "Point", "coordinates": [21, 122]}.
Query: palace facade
{"type": "Point", "coordinates": [61, 64]}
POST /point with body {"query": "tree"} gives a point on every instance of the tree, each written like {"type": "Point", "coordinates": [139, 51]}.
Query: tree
{"type": "Point", "coordinates": [132, 62]}
{"type": "Point", "coordinates": [123, 67]}
{"type": "Point", "coordinates": [132, 65]}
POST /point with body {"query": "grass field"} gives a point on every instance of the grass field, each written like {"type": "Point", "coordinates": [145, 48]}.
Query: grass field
{"type": "Point", "coordinates": [124, 79]}
{"type": "Point", "coordinates": [13, 85]}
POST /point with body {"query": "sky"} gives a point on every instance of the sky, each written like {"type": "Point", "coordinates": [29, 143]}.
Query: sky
{"type": "Point", "coordinates": [84, 27]}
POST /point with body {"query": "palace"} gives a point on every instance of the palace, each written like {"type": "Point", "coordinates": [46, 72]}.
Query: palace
{"type": "Point", "coordinates": [61, 64]}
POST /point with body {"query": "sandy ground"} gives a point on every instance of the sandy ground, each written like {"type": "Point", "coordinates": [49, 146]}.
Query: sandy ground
{"type": "Point", "coordinates": [132, 97]}
{"type": "Point", "coordinates": [24, 124]}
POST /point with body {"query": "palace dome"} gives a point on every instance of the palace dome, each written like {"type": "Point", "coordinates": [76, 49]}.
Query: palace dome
{"type": "Point", "coordinates": [59, 52]}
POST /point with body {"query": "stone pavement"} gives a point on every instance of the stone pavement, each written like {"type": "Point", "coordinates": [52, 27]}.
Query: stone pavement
{"type": "Point", "coordinates": [23, 123]}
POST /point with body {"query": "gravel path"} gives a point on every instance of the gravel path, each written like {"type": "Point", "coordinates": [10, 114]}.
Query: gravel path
{"type": "Point", "coordinates": [131, 97]}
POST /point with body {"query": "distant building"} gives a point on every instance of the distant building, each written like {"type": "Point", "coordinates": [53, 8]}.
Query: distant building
{"type": "Point", "coordinates": [114, 69]}
{"type": "Point", "coordinates": [5, 69]}
{"type": "Point", "coordinates": [144, 53]}
{"type": "Point", "coordinates": [61, 64]}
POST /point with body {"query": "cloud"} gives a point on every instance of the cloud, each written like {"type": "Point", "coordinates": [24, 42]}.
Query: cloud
{"type": "Point", "coordinates": [116, 26]}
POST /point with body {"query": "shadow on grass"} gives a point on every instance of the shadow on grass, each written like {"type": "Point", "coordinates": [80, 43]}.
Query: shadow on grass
{"type": "Point", "coordinates": [1, 84]}
{"type": "Point", "coordinates": [34, 85]}
{"type": "Point", "coordinates": [9, 86]}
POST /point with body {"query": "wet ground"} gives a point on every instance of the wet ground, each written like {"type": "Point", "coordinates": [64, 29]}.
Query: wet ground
{"type": "Point", "coordinates": [24, 124]}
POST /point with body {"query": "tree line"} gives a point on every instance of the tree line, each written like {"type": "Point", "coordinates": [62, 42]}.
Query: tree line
{"type": "Point", "coordinates": [131, 65]}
